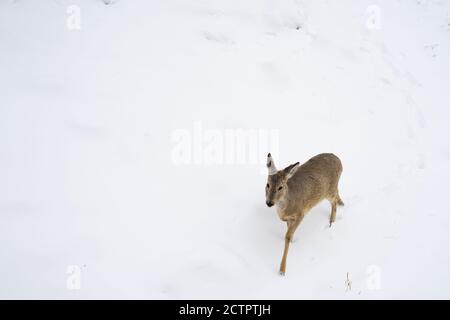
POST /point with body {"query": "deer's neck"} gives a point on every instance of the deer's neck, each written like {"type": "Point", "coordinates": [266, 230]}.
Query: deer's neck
{"type": "Point", "coordinates": [281, 207]}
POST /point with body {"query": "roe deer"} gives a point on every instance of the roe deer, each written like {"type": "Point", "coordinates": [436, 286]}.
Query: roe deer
{"type": "Point", "coordinates": [296, 189]}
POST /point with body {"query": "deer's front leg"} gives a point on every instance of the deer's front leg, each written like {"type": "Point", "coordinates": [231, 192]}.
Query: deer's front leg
{"type": "Point", "coordinates": [292, 226]}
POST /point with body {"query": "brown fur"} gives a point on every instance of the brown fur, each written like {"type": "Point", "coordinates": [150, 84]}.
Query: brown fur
{"type": "Point", "coordinates": [296, 189]}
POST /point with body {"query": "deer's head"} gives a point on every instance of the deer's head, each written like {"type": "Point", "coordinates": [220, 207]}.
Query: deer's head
{"type": "Point", "coordinates": [276, 186]}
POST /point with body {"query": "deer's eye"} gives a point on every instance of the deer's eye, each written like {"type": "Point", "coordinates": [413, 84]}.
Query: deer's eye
{"type": "Point", "coordinates": [279, 188]}
{"type": "Point", "coordinates": [267, 186]}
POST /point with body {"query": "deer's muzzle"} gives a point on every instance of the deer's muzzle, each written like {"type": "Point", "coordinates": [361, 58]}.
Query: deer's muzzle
{"type": "Point", "coordinates": [269, 203]}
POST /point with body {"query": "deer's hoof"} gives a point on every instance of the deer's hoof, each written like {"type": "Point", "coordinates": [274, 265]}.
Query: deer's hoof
{"type": "Point", "coordinates": [282, 273]}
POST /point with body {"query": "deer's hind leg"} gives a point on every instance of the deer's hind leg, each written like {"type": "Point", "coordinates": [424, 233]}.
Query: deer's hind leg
{"type": "Point", "coordinates": [339, 200]}
{"type": "Point", "coordinates": [333, 211]}
{"type": "Point", "coordinates": [335, 200]}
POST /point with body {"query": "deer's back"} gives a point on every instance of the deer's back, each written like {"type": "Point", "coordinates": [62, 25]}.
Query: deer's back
{"type": "Point", "coordinates": [314, 180]}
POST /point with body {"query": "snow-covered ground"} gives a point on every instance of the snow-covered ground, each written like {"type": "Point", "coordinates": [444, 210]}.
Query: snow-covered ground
{"type": "Point", "coordinates": [95, 204]}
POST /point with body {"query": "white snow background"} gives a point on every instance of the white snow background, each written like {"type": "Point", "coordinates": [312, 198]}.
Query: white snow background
{"type": "Point", "coordinates": [87, 177]}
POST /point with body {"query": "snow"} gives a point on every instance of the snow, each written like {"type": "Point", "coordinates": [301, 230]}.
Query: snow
{"type": "Point", "coordinates": [88, 181]}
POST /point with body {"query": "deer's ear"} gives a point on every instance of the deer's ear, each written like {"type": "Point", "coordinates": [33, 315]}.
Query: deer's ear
{"type": "Point", "coordinates": [291, 170]}
{"type": "Point", "coordinates": [271, 165]}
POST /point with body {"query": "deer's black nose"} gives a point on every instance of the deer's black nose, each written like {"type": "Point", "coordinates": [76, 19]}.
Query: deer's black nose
{"type": "Point", "coordinates": [269, 203]}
